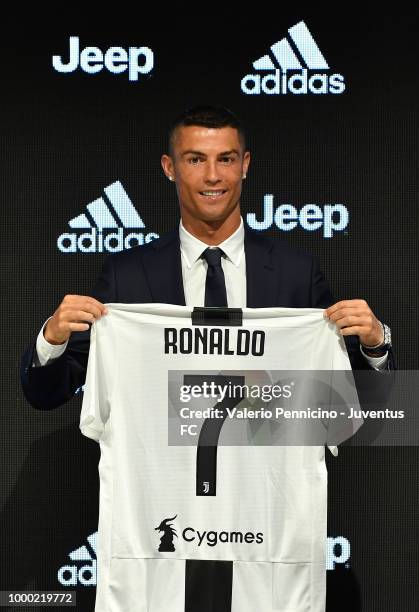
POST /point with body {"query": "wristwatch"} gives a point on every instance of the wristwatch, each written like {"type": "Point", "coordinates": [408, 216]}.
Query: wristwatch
{"type": "Point", "coordinates": [379, 349]}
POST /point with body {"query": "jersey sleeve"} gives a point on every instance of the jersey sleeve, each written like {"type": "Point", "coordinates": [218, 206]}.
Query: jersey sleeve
{"type": "Point", "coordinates": [96, 399]}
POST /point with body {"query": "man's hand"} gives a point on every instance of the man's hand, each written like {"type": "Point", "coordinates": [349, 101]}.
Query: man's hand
{"type": "Point", "coordinates": [72, 315]}
{"type": "Point", "coordinates": [355, 317]}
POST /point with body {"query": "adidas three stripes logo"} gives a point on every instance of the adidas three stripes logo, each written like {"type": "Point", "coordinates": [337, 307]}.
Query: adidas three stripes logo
{"type": "Point", "coordinates": [297, 53]}
{"type": "Point", "coordinates": [106, 225]}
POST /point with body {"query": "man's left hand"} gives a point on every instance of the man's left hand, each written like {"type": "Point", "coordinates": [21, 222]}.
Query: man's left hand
{"type": "Point", "coordinates": [355, 317]}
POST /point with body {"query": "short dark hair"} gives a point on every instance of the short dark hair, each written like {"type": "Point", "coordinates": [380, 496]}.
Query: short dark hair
{"type": "Point", "coordinates": [206, 116]}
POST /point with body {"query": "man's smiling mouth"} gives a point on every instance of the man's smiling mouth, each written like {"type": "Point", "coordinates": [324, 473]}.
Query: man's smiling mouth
{"type": "Point", "coordinates": [213, 194]}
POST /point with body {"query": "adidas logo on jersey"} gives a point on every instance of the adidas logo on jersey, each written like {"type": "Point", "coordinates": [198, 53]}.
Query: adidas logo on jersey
{"type": "Point", "coordinates": [83, 570]}
{"type": "Point", "coordinates": [108, 221]}
{"type": "Point", "coordinates": [295, 65]}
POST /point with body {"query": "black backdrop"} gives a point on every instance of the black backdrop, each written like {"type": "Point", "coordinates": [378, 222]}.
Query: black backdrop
{"type": "Point", "coordinates": [66, 137]}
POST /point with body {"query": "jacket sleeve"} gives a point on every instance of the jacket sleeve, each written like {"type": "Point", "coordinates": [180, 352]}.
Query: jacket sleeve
{"type": "Point", "coordinates": [321, 297]}
{"type": "Point", "coordinates": [54, 384]}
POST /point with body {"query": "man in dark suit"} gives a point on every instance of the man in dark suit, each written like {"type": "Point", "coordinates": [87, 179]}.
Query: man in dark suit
{"type": "Point", "coordinates": [208, 161]}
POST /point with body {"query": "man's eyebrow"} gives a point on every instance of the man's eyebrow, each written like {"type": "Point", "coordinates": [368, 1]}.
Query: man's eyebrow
{"type": "Point", "coordinates": [191, 152]}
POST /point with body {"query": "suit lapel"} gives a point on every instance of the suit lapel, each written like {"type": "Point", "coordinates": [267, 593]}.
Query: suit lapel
{"type": "Point", "coordinates": [261, 280]}
{"type": "Point", "coordinates": [163, 269]}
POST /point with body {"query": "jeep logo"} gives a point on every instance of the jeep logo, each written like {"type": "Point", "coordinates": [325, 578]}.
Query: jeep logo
{"type": "Point", "coordinates": [137, 60]}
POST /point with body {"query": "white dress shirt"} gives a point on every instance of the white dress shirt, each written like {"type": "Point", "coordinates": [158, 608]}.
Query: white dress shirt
{"type": "Point", "coordinates": [194, 273]}
{"type": "Point", "coordinates": [194, 268]}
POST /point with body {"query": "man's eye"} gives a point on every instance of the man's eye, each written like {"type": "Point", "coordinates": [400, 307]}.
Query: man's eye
{"type": "Point", "coordinates": [194, 160]}
{"type": "Point", "coordinates": [227, 159]}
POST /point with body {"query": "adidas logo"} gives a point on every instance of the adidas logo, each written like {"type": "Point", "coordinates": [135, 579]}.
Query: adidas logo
{"type": "Point", "coordinates": [114, 211]}
{"type": "Point", "coordinates": [76, 573]}
{"type": "Point", "coordinates": [291, 64]}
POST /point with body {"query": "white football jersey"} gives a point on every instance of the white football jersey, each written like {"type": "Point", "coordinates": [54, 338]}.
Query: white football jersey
{"type": "Point", "coordinates": [242, 529]}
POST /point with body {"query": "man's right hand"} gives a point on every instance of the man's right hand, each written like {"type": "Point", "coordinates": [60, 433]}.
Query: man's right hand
{"type": "Point", "coordinates": [73, 314]}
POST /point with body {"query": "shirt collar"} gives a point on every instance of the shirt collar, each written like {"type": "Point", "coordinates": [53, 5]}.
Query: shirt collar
{"type": "Point", "coordinates": [192, 248]}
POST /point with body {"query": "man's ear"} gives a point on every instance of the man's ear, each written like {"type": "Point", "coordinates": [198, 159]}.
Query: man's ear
{"type": "Point", "coordinates": [168, 166]}
{"type": "Point", "coordinates": [246, 161]}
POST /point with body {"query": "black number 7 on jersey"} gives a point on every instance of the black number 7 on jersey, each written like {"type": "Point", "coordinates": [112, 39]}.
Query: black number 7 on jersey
{"type": "Point", "coordinates": [206, 455]}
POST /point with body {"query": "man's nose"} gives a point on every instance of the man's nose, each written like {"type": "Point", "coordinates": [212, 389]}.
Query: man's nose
{"type": "Point", "coordinates": [211, 172]}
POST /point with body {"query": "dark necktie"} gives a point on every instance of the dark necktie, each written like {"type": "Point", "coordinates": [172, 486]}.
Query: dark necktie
{"type": "Point", "coordinates": [215, 286]}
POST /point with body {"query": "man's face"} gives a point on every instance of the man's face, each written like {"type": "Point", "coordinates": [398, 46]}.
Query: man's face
{"type": "Point", "coordinates": [208, 165]}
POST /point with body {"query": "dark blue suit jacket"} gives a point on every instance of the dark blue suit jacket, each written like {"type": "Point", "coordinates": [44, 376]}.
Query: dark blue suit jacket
{"type": "Point", "coordinates": [276, 275]}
